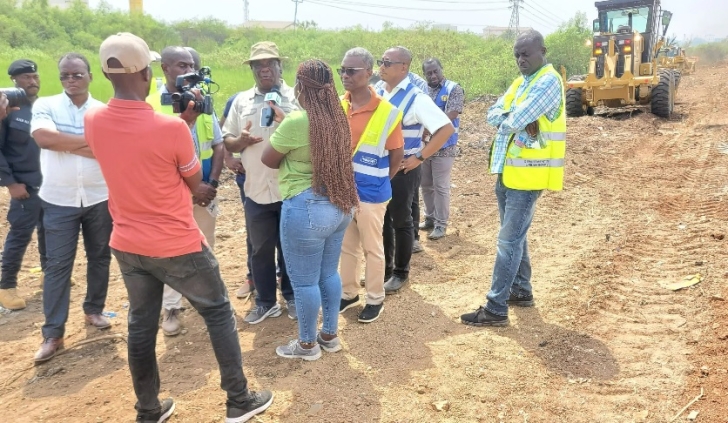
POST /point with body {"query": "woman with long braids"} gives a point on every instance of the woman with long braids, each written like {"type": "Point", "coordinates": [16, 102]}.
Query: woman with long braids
{"type": "Point", "coordinates": [312, 149]}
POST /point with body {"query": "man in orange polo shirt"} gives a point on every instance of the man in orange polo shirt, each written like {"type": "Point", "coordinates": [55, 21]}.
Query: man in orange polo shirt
{"type": "Point", "coordinates": [149, 162]}
{"type": "Point", "coordinates": [378, 148]}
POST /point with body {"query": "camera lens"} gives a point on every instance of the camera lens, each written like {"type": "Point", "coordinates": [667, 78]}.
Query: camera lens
{"type": "Point", "coordinates": [16, 96]}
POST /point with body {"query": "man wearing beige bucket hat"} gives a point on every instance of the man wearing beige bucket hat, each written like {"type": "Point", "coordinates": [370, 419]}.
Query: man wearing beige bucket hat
{"type": "Point", "coordinates": [243, 133]}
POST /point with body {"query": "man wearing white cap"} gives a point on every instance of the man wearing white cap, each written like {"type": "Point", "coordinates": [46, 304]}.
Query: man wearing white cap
{"type": "Point", "coordinates": [151, 168]}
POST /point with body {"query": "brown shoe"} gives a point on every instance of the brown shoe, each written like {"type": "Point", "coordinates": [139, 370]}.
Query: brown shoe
{"type": "Point", "coordinates": [10, 299]}
{"type": "Point", "coordinates": [48, 349]}
{"type": "Point", "coordinates": [98, 320]}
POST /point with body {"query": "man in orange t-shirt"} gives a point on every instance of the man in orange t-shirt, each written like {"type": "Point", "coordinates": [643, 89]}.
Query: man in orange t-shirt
{"type": "Point", "coordinates": [150, 166]}
{"type": "Point", "coordinates": [372, 179]}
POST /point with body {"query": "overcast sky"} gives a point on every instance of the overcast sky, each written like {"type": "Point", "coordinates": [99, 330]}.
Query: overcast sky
{"type": "Point", "coordinates": [700, 18]}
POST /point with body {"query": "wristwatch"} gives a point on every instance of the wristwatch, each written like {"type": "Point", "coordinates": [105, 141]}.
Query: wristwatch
{"type": "Point", "coordinates": [419, 157]}
{"type": "Point", "coordinates": [214, 183]}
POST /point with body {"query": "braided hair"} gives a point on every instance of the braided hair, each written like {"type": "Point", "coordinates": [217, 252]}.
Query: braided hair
{"type": "Point", "coordinates": [329, 135]}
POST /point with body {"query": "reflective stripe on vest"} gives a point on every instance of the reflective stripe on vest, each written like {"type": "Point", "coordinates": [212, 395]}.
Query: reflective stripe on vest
{"type": "Point", "coordinates": [203, 126]}
{"type": "Point", "coordinates": [403, 100]}
{"type": "Point", "coordinates": [370, 157]}
{"type": "Point", "coordinates": [441, 101]}
{"type": "Point", "coordinates": [533, 168]}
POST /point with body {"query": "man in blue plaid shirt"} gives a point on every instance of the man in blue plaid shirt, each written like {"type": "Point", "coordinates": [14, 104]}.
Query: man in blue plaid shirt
{"type": "Point", "coordinates": [511, 282]}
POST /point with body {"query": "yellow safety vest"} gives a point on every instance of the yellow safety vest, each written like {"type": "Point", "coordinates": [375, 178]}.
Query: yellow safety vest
{"type": "Point", "coordinates": [370, 157]}
{"type": "Point", "coordinates": [537, 169]}
{"type": "Point", "coordinates": [203, 126]}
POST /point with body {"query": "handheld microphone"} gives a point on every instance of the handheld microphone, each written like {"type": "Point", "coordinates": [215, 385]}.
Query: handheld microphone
{"type": "Point", "coordinates": [267, 114]}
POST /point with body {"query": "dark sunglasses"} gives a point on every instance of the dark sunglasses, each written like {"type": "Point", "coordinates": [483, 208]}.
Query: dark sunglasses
{"type": "Point", "coordinates": [74, 76]}
{"type": "Point", "coordinates": [348, 71]}
{"type": "Point", "coordinates": [387, 63]}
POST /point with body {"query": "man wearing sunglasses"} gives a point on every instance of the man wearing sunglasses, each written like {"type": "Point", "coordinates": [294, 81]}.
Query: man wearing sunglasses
{"type": "Point", "coordinates": [20, 173]}
{"type": "Point", "coordinates": [378, 148]}
{"type": "Point", "coordinates": [74, 195]}
{"type": "Point", "coordinates": [420, 83]}
{"type": "Point", "coordinates": [419, 113]}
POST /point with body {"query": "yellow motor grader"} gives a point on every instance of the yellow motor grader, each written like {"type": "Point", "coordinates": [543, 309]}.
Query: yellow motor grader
{"type": "Point", "coordinates": [623, 69]}
{"type": "Point", "coordinates": [675, 58]}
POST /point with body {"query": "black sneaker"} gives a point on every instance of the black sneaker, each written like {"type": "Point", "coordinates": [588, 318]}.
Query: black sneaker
{"type": "Point", "coordinates": [371, 313]}
{"type": "Point", "coordinates": [257, 403]}
{"type": "Point", "coordinates": [347, 304]}
{"type": "Point", "coordinates": [159, 417]}
{"type": "Point", "coordinates": [526, 301]}
{"type": "Point", "coordinates": [482, 317]}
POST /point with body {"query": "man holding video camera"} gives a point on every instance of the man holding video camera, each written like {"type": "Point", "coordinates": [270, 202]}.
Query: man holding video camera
{"type": "Point", "coordinates": [207, 136]}
{"type": "Point", "coordinates": [20, 174]}
{"type": "Point", "coordinates": [245, 132]}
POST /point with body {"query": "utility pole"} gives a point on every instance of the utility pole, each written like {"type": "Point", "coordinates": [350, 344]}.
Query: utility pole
{"type": "Point", "coordinates": [295, 14]}
{"type": "Point", "coordinates": [246, 11]}
{"type": "Point", "coordinates": [513, 26]}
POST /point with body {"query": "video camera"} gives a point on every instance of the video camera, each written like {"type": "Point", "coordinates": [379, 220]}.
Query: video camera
{"type": "Point", "coordinates": [16, 96]}
{"type": "Point", "coordinates": [184, 83]}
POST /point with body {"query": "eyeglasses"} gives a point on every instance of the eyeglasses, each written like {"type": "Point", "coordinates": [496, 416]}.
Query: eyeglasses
{"type": "Point", "coordinates": [387, 63]}
{"type": "Point", "coordinates": [348, 71]}
{"type": "Point", "coordinates": [74, 76]}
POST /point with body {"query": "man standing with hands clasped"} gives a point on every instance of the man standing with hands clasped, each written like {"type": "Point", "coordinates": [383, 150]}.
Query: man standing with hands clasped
{"type": "Point", "coordinates": [156, 240]}
{"type": "Point", "coordinates": [528, 157]}
{"type": "Point", "coordinates": [420, 113]}
{"type": "Point", "coordinates": [449, 97]}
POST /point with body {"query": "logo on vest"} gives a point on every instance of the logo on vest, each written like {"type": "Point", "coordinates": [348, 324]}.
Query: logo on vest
{"type": "Point", "coordinates": [369, 161]}
{"type": "Point", "coordinates": [444, 98]}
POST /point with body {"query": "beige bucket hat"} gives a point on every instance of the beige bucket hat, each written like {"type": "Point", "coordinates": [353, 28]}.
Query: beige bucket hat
{"type": "Point", "coordinates": [264, 50]}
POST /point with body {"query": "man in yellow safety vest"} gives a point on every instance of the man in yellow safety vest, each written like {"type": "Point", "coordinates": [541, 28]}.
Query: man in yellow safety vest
{"type": "Point", "coordinates": [528, 156]}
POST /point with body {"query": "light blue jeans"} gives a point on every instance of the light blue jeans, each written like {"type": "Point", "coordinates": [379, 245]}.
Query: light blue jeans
{"type": "Point", "coordinates": [512, 269]}
{"type": "Point", "coordinates": [312, 230]}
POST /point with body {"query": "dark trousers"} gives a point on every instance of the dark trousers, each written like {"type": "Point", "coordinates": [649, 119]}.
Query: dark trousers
{"type": "Point", "coordinates": [399, 230]}
{"type": "Point", "coordinates": [61, 226]}
{"type": "Point", "coordinates": [416, 212]}
{"type": "Point", "coordinates": [23, 216]}
{"type": "Point", "coordinates": [240, 180]}
{"type": "Point", "coordinates": [197, 277]}
{"type": "Point", "coordinates": [263, 225]}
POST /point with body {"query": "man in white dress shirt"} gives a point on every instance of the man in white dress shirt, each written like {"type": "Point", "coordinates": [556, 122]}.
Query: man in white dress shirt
{"type": "Point", "coordinates": [74, 196]}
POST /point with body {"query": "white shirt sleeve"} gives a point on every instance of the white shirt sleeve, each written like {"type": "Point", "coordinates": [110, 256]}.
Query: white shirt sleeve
{"type": "Point", "coordinates": [216, 131]}
{"type": "Point", "coordinates": [42, 116]}
{"type": "Point", "coordinates": [426, 112]}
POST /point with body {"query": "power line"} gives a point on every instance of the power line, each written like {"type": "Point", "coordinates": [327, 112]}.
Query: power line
{"type": "Point", "coordinates": [543, 10]}
{"type": "Point", "coordinates": [539, 20]}
{"type": "Point", "coordinates": [385, 6]}
{"type": "Point", "coordinates": [543, 16]}
{"type": "Point", "coordinates": [389, 17]}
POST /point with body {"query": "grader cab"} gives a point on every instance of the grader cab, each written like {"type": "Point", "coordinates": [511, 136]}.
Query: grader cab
{"type": "Point", "coordinates": [623, 69]}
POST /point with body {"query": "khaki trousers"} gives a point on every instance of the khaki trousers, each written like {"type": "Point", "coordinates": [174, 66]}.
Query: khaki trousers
{"type": "Point", "coordinates": [172, 299]}
{"type": "Point", "coordinates": [364, 233]}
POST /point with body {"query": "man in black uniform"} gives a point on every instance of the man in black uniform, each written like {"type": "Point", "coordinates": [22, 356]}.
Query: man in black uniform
{"type": "Point", "coordinates": [20, 174]}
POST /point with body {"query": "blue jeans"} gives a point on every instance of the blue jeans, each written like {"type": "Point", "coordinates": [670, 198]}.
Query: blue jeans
{"type": "Point", "coordinates": [512, 270]}
{"type": "Point", "coordinates": [197, 277]}
{"type": "Point", "coordinates": [240, 180]}
{"type": "Point", "coordinates": [312, 230]}
{"type": "Point", "coordinates": [62, 226]}
{"type": "Point", "coordinates": [23, 216]}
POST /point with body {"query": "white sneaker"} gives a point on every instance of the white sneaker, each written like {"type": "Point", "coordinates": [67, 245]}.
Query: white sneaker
{"type": "Point", "coordinates": [171, 325]}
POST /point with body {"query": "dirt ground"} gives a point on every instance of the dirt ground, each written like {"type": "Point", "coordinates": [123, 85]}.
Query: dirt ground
{"type": "Point", "coordinates": [644, 204]}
